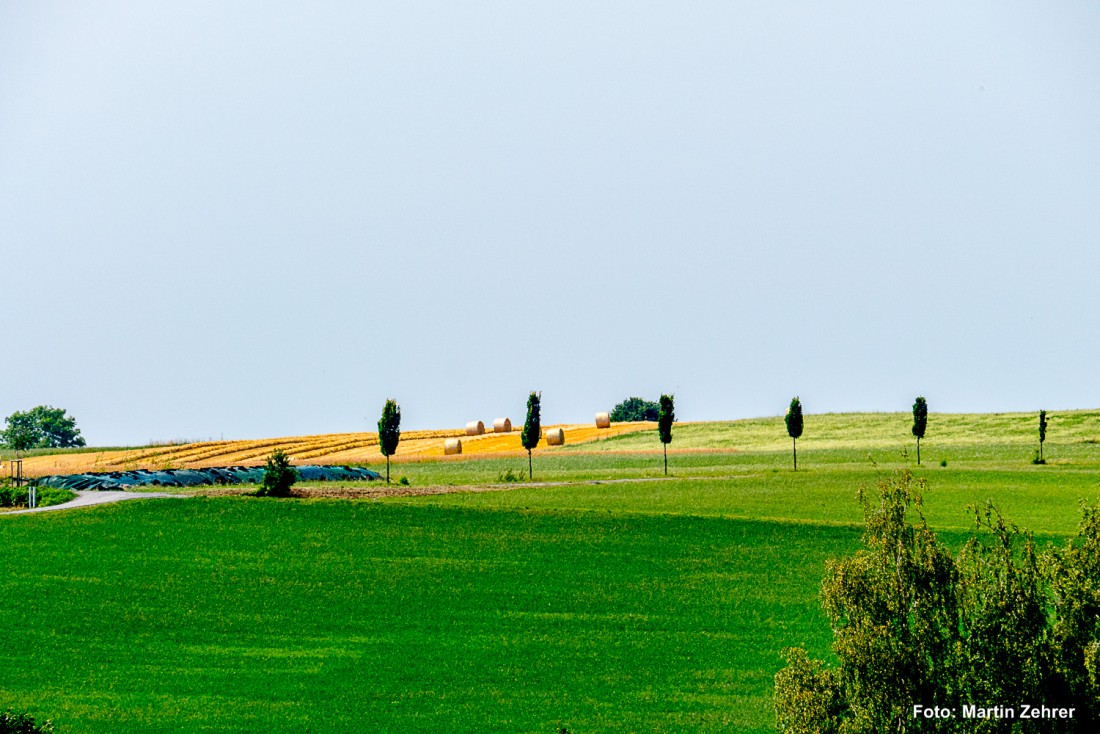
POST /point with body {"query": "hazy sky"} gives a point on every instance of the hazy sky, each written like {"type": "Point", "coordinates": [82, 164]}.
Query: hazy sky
{"type": "Point", "coordinates": [254, 219]}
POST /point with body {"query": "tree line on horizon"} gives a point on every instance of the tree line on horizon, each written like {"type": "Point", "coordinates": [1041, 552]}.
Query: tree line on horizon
{"type": "Point", "coordinates": [45, 427]}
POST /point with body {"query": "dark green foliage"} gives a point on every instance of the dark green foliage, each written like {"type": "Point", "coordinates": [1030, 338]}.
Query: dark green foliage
{"type": "Point", "coordinates": [793, 419]}
{"type": "Point", "coordinates": [18, 496]}
{"type": "Point", "coordinates": [389, 432]}
{"type": "Point", "coordinates": [920, 421]}
{"type": "Point", "coordinates": [665, 416]}
{"type": "Point", "coordinates": [1042, 434]}
{"type": "Point", "coordinates": [279, 476]}
{"type": "Point", "coordinates": [41, 427]}
{"type": "Point", "coordinates": [532, 428]}
{"type": "Point", "coordinates": [920, 417]}
{"type": "Point", "coordinates": [21, 723]}
{"type": "Point", "coordinates": [634, 409]}
{"type": "Point", "coordinates": [997, 624]}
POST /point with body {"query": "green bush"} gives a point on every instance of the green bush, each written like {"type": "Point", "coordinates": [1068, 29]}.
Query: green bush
{"type": "Point", "coordinates": [915, 627]}
{"type": "Point", "coordinates": [13, 723]}
{"type": "Point", "coordinates": [11, 496]}
{"type": "Point", "coordinates": [279, 476]}
{"type": "Point", "coordinates": [634, 409]}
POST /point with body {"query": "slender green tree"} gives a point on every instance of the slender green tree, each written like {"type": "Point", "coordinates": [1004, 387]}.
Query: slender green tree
{"type": "Point", "coordinates": [389, 432]}
{"type": "Point", "coordinates": [920, 422]}
{"type": "Point", "coordinates": [1042, 434]}
{"type": "Point", "coordinates": [666, 414]}
{"type": "Point", "coordinates": [532, 428]}
{"type": "Point", "coordinates": [793, 419]}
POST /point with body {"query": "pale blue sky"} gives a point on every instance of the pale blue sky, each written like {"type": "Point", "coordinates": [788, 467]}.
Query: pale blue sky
{"type": "Point", "coordinates": [255, 219]}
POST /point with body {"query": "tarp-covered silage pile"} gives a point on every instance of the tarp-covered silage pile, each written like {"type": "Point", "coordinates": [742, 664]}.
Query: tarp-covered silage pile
{"type": "Point", "coordinates": [199, 477]}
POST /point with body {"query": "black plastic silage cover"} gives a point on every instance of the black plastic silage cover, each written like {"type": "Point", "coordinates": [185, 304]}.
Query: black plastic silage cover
{"type": "Point", "coordinates": [198, 477]}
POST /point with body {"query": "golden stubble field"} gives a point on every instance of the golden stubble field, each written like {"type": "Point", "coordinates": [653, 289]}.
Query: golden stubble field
{"type": "Point", "coordinates": [333, 448]}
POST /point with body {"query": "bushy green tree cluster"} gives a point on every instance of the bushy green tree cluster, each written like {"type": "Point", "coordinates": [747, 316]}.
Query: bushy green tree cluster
{"type": "Point", "coordinates": [635, 409]}
{"type": "Point", "coordinates": [1000, 624]}
{"type": "Point", "coordinates": [41, 427]}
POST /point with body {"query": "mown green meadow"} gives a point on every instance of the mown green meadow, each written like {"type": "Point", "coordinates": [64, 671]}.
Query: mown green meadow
{"type": "Point", "coordinates": [648, 604]}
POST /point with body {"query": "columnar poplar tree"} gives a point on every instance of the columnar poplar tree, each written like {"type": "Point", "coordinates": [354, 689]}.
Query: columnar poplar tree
{"type": "Point", "coordinates": [389, 432]}
{"type": "Point", "coordinates": [920, 422]}
{"type": "Point", "coordinates": [1042, 433]}
{"type": "Point", "coordinates": [666, 414]}
{"type": "Point", "coordinates": [532, 429]}
{"type": "Point", "coordinates": [793, 419]}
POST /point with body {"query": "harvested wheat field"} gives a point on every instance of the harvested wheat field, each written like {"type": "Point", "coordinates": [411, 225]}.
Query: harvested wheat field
{"type": "Point", "coordinates": [333, 448]}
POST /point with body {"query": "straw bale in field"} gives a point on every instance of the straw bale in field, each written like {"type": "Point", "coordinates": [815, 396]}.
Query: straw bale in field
{"type": "Point", "coordinates": [502, 425]}
{"type": "Point", "coordinates": [452, 446]}
{"type": "Point", "coordinates": [603, 420]}
{"type": "Point", "coordinates": [475, 428]}
{"type": "Point", "coordinates": [555, 437]}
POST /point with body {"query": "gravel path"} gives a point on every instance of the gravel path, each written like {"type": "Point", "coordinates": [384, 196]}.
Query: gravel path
{"type": "Point", "coordinates": [89, 498]}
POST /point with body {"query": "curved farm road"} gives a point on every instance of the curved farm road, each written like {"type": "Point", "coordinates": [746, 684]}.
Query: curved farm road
{"type": "Point", "coordinates": [87, 498]}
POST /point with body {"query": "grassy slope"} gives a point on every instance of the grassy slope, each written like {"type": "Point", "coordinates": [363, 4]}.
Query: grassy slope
{"type": "Point", "coordinates": [239, 614]}
{"type": "Point", "coordinates": [635, 606]}
{"type": "Point", "coordinates": [884, 431]}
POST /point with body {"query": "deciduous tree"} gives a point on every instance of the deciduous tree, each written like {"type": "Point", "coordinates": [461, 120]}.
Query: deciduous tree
{"type": "Point", "coordinates": [1042, 434]}
{"type": "Point", "coordinates": [793, 419]}
{"type": "Point", "coordinates": [1000, 624]}
{"type": "Point", "coordinates": [920, 422]}
{"type": "Point", "coordinates": [532, 428]}
{"type": "Point", "coordinates": [666, 414]}
{"type": "Point", "coordinates": [634, 409]}
{"type": "Point", "coordinates": [389, 432]}
{"type": "Point", "coordinates": [41, 427]}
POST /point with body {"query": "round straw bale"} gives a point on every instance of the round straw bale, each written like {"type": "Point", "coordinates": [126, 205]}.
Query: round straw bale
{"type": "Point", "coordinates": [555, 437]}
{"type": "Point", "coordinates": [452, 446]}
{"type": "Point", "coordinates": [502, 425]}
{"type": "Point", "coordinates": [603, 420]}
{"type": "Point", "coordinates": [475, 428]}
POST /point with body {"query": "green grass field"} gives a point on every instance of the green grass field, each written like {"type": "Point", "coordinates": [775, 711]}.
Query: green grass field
{"type": "Point", "coordinates": [651, 605]}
